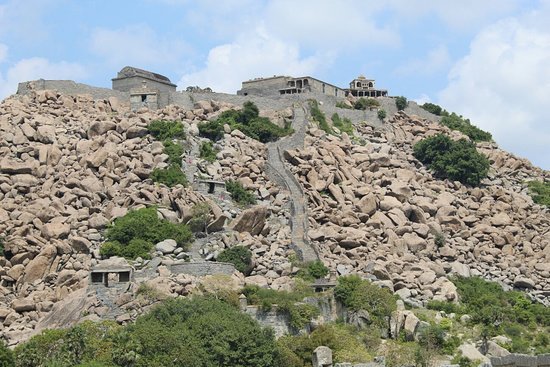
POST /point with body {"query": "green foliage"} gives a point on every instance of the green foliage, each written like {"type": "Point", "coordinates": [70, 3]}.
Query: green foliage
{"type": "Point", "coordinates": [163, 129]}
{"type": "Point", "coordinates": [313, 270]}
{"type": "Point", "coordinates": [359, 294]}
{"type": "Point", "coordinates": [200, 217]}
{"type": "Point", "coordinates": [381, 114]}
{"type": "Point", "coordinates": [212, 130]}
{"type": "Point", "coordinates": [135, 233]}
{"type": "Point", "coordinates": [239, 194]}
{"type": "Point", "coordinates": [170, 176]}
{"type": "Point", "coordinates": [432, 108]}
{"type": "Point", "coordinates": [445, 306]}
{"type": "Point", "coordinates": [343, 105]}
{"type": "Point", "coordinates": [239, 256]}
{"type": "Point", "coordinates": [439, 239]}
{"type": "Point", "coordinates": [401, 103]}
{"type": "Point", "coordinates": [505, 312]}
{"type": "Point", "coordinates": [80, 345]}
{"type": "Point", "coordinates": [346, 343]}
{"type": "Point", "coordinates": [364, 103]}
{"type": "Point", "coordinates": [456, 160]}
{"type": "Point", "coordinates": [288, 302]}
{"type": "Point", "coordinates": [174, 152]}
{"type": "Point", "coordinates": [207, 151]}
{"type": "Point", "coordinates": [540, 192]}
{"type": "Point", "coordinates": [319, 116]}
{"type": "Point", "coordinates": [248, 122]}
{"type": "Point", "coordinates": [6, 356]}
{"type": "Point", "coordinates": [456, 122]}
{"type": "Point", "coordinates": [343, 124]}
{"type": "Point", "coordinates": [196, 332]}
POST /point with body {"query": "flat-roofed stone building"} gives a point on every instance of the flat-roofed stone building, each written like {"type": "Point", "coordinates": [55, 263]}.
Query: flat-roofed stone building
{"type": "Point", "coordinates": [363, 87]}
{"type": "Point", "coordinates": [146, 89]}
{"type": "Point", "coordinates": [286, 85]}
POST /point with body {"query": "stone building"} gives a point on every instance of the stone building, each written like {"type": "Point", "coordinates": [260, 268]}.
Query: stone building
{"type": "Point", "coordinates": [284, 85]}
{"type": "Point", "coordinates": [363, 87]}
{"type": "Point", "coordinates": [146, 89]}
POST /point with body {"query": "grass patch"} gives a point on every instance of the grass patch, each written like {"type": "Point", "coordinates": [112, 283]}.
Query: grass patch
{"type": "Point", "coordinates": [319, 117]}
{"type": "Point", "coordinates": [239, 194]}
{"type": "Point", "coordinates": [170, 176]}
{"type": "Point", "coordinates": [540, 192]}
{"type": "Point", "coordinates": [343, 124]}
{"type": "Point", "coordinates": [207, 151]}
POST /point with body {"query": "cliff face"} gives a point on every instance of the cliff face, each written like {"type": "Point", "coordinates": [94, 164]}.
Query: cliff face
{"type": "Point", "coordinates": [70, 165]}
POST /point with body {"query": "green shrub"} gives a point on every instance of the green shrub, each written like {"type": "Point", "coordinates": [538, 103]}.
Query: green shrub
{"type": "Point", "coordinates": [248, 122]}
{"type": "Point", "coordinates": [540, 192]}
{"type": "Point", "coordinates": [212, 130]}
{"type": "Point", "coordinates": [164, 130]}
{"type": "Point", "coordinates": [439, 239]}
{"type": "Point", "coordinates": [445, 306]}
{"type": "Point", "coordinates": [343, 105]}
{"type": "Point", "coordinates": [200, 331]}
{"type": "Point", "coordinates": [135, 234]}
{"type": "Point", "coordinates": [239, 194]}
{"type": "Point", "coordinates": [456, 160]}
{"type": "Point", "coordinates": [455, 122]}
{"type": "Point", "coordinates": [170, 176]}
{"type": "Point", "coordinates": [359, 294]}
{"type": "Point", "coordinates": [343, 124]}
{"type": "Point", "coordinates": [381, 114]}
{"type": "Point", "coordinates": [345, 342]}
{"type": "Point", "coordinates": [174, 152]}
{"type": "Point", "coordinates": [364, 103]}
{"type": "Point", "coordinates": [200, 217]}
{"type": "Point", "coordinates": [6, 356]}
{"type": "Point", "coordinates": [319, 116]}
{"type": "Point", "coordinates": [313, 270]}
{"type": "Point", "coordinates": [401, 103]}
{"type": "Point", "coordinates": [207, 151]}
{"type": "Point", "coordinates": [239, 256]}
{"type": "Point", "coordinates": [432, 108]}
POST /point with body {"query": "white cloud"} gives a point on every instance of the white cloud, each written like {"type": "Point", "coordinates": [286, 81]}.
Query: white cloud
{"type": "Point", "coordinates": [424, 98]}
{"type": "Point", "coordinates": [137, 45]}
{"type": "Point", "coordinates": [436, 60]}
{"type": "Point", "coordinates": [36, 68]}
{"type": "Point", "coordinates": [3, 52]}
{"type": "Point", "coordinates": [502, 84]}
{"type": "Point", "coordinates": [250, 55]}
{"type": "Point", "coordinates": [325, 24]}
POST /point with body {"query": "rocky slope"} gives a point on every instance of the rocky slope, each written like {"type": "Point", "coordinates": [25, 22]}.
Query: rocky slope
{"type": "Point", "coordinates": [69, 165]}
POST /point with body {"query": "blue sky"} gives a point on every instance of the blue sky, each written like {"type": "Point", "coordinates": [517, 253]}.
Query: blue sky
{"type": "Point", "coordinates": [486, 59]}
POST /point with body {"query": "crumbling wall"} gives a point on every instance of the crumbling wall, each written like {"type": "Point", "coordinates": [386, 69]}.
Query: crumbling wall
{"type": "Point", "coordinates": [71, 88]}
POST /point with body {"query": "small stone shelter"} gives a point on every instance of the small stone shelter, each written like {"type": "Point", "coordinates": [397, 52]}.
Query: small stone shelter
{"type": "Point", "coordinates": [146, 89]}
{"type": "Point", "coordinates": [111, 273]}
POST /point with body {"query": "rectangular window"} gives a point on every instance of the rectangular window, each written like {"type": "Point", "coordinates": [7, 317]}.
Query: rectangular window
{"type": "Point", "coordinates": [97, 277]}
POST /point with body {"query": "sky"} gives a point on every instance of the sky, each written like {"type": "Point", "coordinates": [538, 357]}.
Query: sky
{"type": "Point", "coordinates": [488, 60]}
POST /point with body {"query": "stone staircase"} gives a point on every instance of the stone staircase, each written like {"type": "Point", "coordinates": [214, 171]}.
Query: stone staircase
{"type": "Point", "coordinates": [277, 173]}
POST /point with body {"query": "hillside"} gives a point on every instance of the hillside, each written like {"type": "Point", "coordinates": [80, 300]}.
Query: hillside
{"type": "Point", "coordinates": [361, 203]}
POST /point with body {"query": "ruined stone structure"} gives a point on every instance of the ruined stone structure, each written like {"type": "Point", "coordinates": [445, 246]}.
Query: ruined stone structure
{"type": "Point", "coordinates": [146, 89]}
{"type": "Point", "coordinates": [363, 87]}
{"type": "Point", "coordinates": [109, 274]}
{"type": "Point", "coordinates": [282, 85]}
{"type": "Point", "coordinates": [521, 360]}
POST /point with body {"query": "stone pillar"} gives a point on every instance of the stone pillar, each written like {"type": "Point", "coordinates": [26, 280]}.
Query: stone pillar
{"type": "Point", "coordinates": [243, 302]}
{"type": "Point", "coordinates": [322, 357]}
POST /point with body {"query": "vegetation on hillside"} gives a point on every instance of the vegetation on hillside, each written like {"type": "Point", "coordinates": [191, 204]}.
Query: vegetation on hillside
{"type": "Point", "coordinates": [136, 233]}
{"type": "Point", "coordinates": [401, 103]}
{"type": "Point", "coordinates": [170, 133]}
{"type": "Point", "coordinates": [342, 124]}
{"type": "Point", "coordinates": [359, 294]}
{"type": "Point", "coordinates": [494, 311]}
{"type": "Point", "coordinates": [540, 192]}
{"type": "Point", "coordinates": [381, 114]}
{"type": "Point", "coordinates": [248, 121]}
{"type": "Point", "coordinates": [459, 123]}
{"type": "Point", "coordinates": [364, 103]}
{"type": "Point", "coordinates": [207, 151]}
{"type": "Point", "coordinates": [239, 194]}
{"type": "Point", "coordinates": [455, 160]}
{"type": "Point", "coordinates": [200, 331]}
{"type": "Point", "coordinates": [319, 116]}
{"type": "Point", "coordinates": [239, 256]}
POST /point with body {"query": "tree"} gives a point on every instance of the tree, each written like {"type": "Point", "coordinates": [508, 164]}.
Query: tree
{"type": "Point", "coordinates": [239, 256]}
{"type": "Point", "coordinates": [400, 103]}
{"type": "Point", "coordinates": [456, 160]}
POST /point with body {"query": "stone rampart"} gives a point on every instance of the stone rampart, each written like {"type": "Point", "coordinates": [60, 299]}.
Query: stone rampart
{"type": "Point", "coordinates": [71, 88]}
{"type": "Point", "coordinates": [202, 268]}
{"type": "Point", "coordinates": [521, 360]}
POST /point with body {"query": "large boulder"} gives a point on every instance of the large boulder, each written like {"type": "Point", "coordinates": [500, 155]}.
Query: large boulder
{"type": "Point", "coordinates": [251, 220]}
